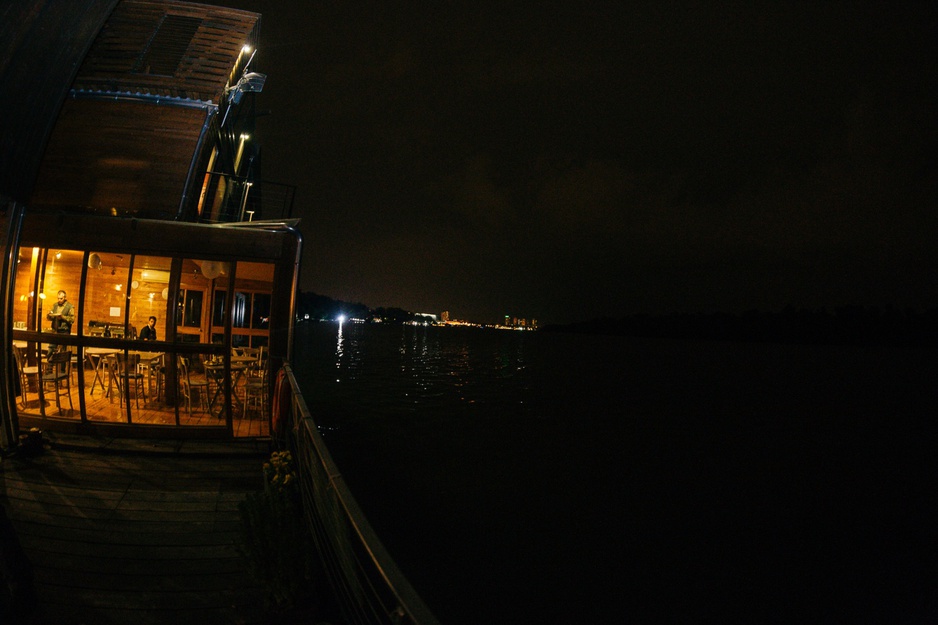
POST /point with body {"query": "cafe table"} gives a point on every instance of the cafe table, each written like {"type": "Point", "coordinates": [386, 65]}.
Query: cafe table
{"type": "Point", "coordinates": [97, 357]}
{"type": "Point", "coordinates": [245, 360]}
{"type": "Point", "coordinates": [216, 370]}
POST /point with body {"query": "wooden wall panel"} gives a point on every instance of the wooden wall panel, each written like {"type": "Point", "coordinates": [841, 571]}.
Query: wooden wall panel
{"type": "Point", "coordinates": [42, 43]}
{"type": "Point", "coordinates": [119, 157]}
{"type": "Point", "coordinates": [203, 71]}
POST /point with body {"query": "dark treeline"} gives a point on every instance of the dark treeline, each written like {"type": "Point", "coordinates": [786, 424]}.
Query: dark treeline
{"type": "Point", "coordinates": [322, 308]}
{"type": "Point", "coordinates": [848, 325]}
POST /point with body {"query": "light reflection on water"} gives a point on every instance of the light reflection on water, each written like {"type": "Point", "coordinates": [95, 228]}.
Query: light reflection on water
{"type": "Point", "coordinates": [417, 369]}
{"type": "Point", "coordinates": [338, 351]}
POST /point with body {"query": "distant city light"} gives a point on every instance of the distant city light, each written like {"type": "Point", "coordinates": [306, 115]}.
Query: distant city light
{"type": "Point", "coordinates": [340, 319]}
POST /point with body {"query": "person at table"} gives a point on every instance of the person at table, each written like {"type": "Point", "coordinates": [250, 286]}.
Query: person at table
{"type": "Point", "coordinates": [148, 333]}
{"type": "Point", "coordinates": [62, 317]}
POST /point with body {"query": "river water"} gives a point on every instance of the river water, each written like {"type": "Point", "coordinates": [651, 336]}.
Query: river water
{"type": "Point", "coordinates": [553, 478]}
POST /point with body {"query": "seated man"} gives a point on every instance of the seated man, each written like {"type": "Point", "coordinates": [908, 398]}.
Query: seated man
{"type": "Point", "coordinates": [148, 333]}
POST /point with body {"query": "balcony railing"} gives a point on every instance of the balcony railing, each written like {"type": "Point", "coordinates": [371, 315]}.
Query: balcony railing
{"type": "Point", "coordinates": [366, 582]}
{"type": "Point", "coordinates": [226, 198]}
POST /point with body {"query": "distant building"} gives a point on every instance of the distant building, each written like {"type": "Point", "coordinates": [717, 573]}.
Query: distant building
{"type": "Point", "coordinates": [519, 323]}
{"type": "Point", "coordinates": [444, 316]}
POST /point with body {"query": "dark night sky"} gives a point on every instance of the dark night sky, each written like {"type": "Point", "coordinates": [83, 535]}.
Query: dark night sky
{"type": "Point", "coordinates": [604, 158]}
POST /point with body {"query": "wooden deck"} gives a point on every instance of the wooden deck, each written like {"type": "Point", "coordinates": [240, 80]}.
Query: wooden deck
{"type": "Point", "coordinates": [143, 532]}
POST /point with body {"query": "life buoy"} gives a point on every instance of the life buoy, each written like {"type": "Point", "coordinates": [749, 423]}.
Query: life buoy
{"type": "Point", "coordinates": [281, 403]}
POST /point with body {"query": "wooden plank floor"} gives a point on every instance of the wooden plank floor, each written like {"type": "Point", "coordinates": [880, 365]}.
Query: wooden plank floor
{"type": "Point", "coordinates": [143, 532]}
{"type": "Point", "coordinates": [148, 410]}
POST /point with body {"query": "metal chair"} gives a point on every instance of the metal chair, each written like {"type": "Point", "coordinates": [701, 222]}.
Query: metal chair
{"type": "Point", "coordinates": [25, 372]}
{"type": "Point", "coordinates": [155, 371]}
{"type": "Point", "coordinates": [190, 384]}
{"type": "Point", "coordinates": [127, 372]}
{"type": "Point", "coordinates": [255, 392]}
{"type": "Point", "coordinates": [261, 363]}
{"type": "Point", "coordinates": [59, 375]}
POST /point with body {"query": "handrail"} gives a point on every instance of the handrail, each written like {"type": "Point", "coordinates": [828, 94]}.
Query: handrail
{"type": "Point", "coordinates": [365, 580]}
{"type": "Point", "coordinates": [245, 199]}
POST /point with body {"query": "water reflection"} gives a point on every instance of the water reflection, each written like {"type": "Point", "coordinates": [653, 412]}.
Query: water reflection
{"type": "Point", "coordinates": [349, 353]}
{"type": "Point", "coordinates": [388, 372]}
{"type": "Point", "coordinates": [420, 364]}
{"type": "Point", "coordinates": [339, 349]}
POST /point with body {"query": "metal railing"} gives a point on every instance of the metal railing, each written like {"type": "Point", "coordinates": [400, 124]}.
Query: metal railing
{"type": "Point", "coordinates": [229, 198]}
{"type": "Point", "coordinates": [365, 580]}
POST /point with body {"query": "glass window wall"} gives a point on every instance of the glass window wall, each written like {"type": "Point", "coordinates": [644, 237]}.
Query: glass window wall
{"type": "Point", "coordinates": [105, 297]}
{"type": "Point", "coordinates": [27, 286]}
{"type": "Point", "coordinates": [149, 293]}
{"type": "Point", "coordinates": [198, 279]}
{"type": "Point", "coordinates": [179, 379]}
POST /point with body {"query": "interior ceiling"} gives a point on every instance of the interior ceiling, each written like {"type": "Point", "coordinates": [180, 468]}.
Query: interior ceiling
{"type": "Point", "coordinates": [111, 260]}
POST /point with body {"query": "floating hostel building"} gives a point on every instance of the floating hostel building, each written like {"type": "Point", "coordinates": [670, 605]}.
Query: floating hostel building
{"type": "Point", "coordinates": [132, 185]}
{"type": "Point", "coordinates": [132, 201]}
